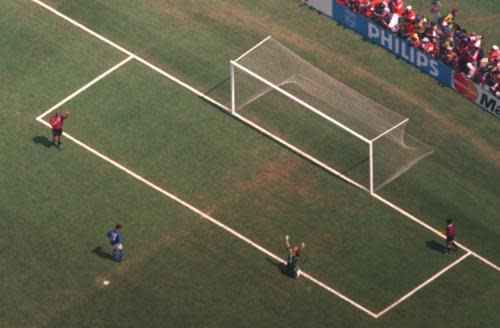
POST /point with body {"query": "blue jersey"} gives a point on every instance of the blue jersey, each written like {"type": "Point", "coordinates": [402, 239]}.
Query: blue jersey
{"type": "Point", "coordinates": [114, 237]}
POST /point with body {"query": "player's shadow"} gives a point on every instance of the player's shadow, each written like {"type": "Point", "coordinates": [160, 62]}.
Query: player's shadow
{"type": "Point", "coordinates": [42, 140]}
{"type": "Point", "coordinates": [434, 245]}
{"type": "Point", "coordinates": [102, 253]}
{"type": "Point", "coordinates": [280, 266]}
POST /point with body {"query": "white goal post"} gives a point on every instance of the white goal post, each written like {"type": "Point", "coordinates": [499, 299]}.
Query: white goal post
{"type": "Point", "coordinates": [269, 68]}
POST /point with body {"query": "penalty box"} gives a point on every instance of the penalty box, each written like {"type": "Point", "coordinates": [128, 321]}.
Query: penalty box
{"type": "Point", "coordinates": [172, 137]}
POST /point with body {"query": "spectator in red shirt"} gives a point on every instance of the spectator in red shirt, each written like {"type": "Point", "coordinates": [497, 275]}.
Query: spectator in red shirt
{"type": "Point", "coordinates": [56, 122]}
{"type": "Point", "coordinates": [396, 7]}
{"type": "Point", "coordinates": [450, 57]}
{"type": "Point", "coordinates": [450, 236]}
{"type": "Point", "coordinates": [409, 21]}
{"type": "Point", "coordinates": [409, 14]}
{"type": "Point", "coordinates": [427, 46]}
{"type": "Point", "coordinates": [493, 53]}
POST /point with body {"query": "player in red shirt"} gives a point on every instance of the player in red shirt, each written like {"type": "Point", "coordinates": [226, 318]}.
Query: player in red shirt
{"type": "Point", "coordinates": [56, 122]}
{"type": "Point", "coordinates": [450, 236]}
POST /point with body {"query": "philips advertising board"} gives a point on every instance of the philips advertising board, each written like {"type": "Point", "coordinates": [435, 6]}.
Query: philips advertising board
{"type": "Point", "coordinates": [386, 39]}
{"type": "Point", "coordinates": [393, 43]}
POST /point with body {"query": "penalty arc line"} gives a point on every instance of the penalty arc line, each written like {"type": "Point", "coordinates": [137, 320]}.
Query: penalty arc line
{"type": "Point", "coordinates": [85, 87]}
{"type": "Point", "coordinates": [422, 285]}
{"type": "Point", "coordinates": [209, 218]}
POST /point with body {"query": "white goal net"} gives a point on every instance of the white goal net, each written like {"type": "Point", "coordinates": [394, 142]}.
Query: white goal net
{"type": "Point", "coordinates": [354, 137]}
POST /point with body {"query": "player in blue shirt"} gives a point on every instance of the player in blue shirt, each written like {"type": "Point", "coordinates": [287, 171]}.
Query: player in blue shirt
{"type": "Point", "coordinates": [116, 243]}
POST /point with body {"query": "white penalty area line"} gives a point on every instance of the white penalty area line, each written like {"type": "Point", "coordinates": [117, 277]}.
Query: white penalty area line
{"type": "Point", "coordinates": [422, 285]}
{"type": "Point", "coordinates": [296, 150]}
{"type": "Point", "coordinates": [152, 185]}
{"type": "Point", "coordinates": [208, 217]}
{"type": "Point", "coordinates": [85, 87]}
{"type": "Point", "coordinates": [437, 232]}
{"type": "Point", "coordinates": [116, 46]}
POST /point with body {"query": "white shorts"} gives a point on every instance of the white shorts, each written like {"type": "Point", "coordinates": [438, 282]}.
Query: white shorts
{"type": "Point", "coordinates": [118, 247]}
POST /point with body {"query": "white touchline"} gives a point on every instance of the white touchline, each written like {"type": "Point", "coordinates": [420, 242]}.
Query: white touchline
{"type": "Point", "coordinates": [114, 45]}
{"type": "Point", "coordinates": [202, 95]}
{"type": "Point", "coordinates": [428, 281]}
{"type": "Point", "coordinates": [85, 87]}
{"type": "Point", "coordinates": [207, 217]}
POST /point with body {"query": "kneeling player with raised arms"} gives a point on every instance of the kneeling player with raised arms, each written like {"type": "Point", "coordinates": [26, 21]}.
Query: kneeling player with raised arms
{"type": "Point", "coordinates": [292, 269]}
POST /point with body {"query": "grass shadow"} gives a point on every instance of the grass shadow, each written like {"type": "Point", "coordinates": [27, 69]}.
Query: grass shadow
{"type": "Point", "coordinates": [42, 140]}
{"type": "Point", "coordinates": [434, 245]}
{"type": "Point", "coordinates": [355, 166]}
{"type": "Point", "coordinates": [102, 254]}
{"type": "Point", "coordinates": [280, 266]}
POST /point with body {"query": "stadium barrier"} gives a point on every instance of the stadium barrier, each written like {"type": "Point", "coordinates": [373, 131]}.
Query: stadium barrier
{"type": "Point", "coordinates": [401, 48]}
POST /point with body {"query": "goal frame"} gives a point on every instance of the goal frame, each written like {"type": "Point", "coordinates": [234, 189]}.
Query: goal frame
{"type": "Point", "coordinates": [370, 142]}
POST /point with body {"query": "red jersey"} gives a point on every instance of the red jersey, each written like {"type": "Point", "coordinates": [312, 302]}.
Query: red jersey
{"type": "Point", "coordinates": [493, 54]}
{"type": "Point", "coordinates": [450, 230]}
{"type": "Point", "coordinates": [397, 7]}
{"type": "Point", "coordinates": [428, 47]}
{"type": "Point", "coordinates": [56, 121]}
{"type": "Point", "coordinates": [410, 15]}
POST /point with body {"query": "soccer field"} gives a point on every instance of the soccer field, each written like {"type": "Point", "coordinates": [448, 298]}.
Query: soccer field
{"type": "Point", "coordinates": [205, 199]}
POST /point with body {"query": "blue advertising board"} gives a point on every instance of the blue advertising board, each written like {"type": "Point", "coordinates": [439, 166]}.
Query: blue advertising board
{"type": "Point", "coordinates": [388, 40]}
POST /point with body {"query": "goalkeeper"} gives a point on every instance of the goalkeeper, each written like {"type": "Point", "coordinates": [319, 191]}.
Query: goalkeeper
{"type": "Point", "coordinates": [292, 269]}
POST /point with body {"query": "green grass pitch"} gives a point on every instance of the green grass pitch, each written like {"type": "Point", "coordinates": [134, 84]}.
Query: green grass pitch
{"type": "Point", "coordinates": [181, 270]}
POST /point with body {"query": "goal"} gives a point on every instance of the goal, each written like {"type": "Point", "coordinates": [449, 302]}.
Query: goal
{"type": "Point", "coordinates": [290, 100]}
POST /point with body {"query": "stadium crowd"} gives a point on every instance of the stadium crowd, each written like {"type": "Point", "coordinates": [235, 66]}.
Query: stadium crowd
{"type": "Point", "coordinates": [439, 36]}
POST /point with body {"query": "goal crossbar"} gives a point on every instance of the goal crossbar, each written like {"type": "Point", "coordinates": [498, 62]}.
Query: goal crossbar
{"type": "Point", "coordinates": [390, 130]}
{"type": "Point", "coordinates": [270, 66]}
{"type": "Point", "coordinates": [297, 100]}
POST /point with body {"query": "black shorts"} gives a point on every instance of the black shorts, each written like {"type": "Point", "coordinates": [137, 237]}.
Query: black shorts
{"type": "Point", "coordinates": [57, 132]}
{"type": "Point", "coordinates": [449, 239]}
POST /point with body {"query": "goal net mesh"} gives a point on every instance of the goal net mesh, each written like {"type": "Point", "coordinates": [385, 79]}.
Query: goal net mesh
{"type": "Point", "coordinates": [362, 118]}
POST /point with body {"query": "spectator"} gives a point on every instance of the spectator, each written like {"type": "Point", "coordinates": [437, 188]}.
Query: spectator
{"type": "Point", "coordinates": [415, 41]}
{"type": "Point", "coordinates": [440, 37]}
{"type": "Point", "coordinates": [450, 57]}
{"type": "Point", "coordinates": [450, 17]}
{"type": "Point", "coordinates": [381, 14]}
{"type": "Point", "coordinates": [421, 24]}
{"type": "Point", "coordinates": [409, 14]}
{"type": "Point", "coordinates": [435, 10]}
{"type": "Point", "coordinates": [409, 20]}
{"type": "Point", "coordinates": [428, 46]}
{"type": "Point", "coordinates": [470, 70]}
{"type": "Point", "coordinates": [396, 7]}
{"type": "Point", "coordinates": [493, 53]}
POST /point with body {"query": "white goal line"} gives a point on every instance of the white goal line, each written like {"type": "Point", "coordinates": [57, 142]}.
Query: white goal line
{"type": "Point", "coordinates": [208, 217]}
{"type": "Point", "coordinates": [296, 150]}
{"type": "Point", "coordinates": [211, 219]}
